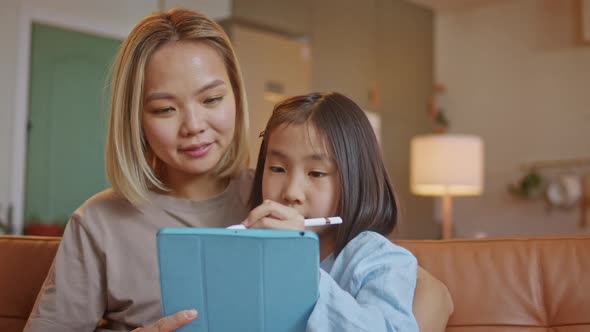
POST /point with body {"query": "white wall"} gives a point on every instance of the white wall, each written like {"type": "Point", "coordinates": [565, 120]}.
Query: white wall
{"type": "Point", "coordinates": [269, 57]}
{"type": "Point", "coordinates": [515, 75]}
{"type": "Point", "coordinates": [286, 16]}
{"type": "Point", "coordinates": [111, 18]}
{"type": "Point", "coordinates": [8, 55]}
{"type": "Point", "coordinates": [217, 9]}
{"type": "Point", "coordinates": [404, 69]}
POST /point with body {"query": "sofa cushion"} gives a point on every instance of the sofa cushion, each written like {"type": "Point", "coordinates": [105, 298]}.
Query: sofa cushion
{"type": "Point", "coordinates": [512, 284]}
{"type": "Point", "coordinates": [24, 261]}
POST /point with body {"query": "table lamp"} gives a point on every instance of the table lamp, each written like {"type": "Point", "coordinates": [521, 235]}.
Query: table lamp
{"type": "Point", "coordinates": [446, 165]}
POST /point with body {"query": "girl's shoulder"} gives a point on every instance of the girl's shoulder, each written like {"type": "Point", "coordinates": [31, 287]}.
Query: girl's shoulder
{"type": "Point", "coordinates": [370, 255]}
{"type": "Point", "coordinates": [369, 245]}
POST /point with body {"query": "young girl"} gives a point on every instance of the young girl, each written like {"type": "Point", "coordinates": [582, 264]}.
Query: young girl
{"type": "Point", "coordinates": [320, 158]}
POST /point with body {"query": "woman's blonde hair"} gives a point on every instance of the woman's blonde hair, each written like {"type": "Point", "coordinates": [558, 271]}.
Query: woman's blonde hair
{"type": "Point", "coordinates": [130, 164]}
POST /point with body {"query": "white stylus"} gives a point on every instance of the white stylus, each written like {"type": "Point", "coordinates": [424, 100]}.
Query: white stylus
{"type": "Point", "coordinates": [307, 222]}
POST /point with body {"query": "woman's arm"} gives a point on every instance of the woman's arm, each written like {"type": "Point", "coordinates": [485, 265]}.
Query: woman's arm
{"type": "Point", "coordinates": [432, 302]}
{"type": "Point", "coordinates": [73, 296]}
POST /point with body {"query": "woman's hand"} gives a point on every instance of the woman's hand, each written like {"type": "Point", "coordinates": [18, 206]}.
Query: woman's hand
{"type": "Point", "coordinates": [170, 323]}
{"type": "Point", "coordinates": [274, 215]}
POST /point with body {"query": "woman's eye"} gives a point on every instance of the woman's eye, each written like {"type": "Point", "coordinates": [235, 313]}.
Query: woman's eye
{"type": "Point", "coordinates": [164, 110]}
{"type": "Point", "coordinates": [317, 174]}
{"type": "Point", "coordinates": [213, 101]}
{"type": "Point", "coordinates": [277, 169]}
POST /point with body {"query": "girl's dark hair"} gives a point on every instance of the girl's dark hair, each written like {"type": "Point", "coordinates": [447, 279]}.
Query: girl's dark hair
{"type": "Point", "coordinates": [367, 200]}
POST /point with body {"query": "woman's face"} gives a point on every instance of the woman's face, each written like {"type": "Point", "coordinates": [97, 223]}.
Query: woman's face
{"type": "Point", "coordinates": [189, 108]}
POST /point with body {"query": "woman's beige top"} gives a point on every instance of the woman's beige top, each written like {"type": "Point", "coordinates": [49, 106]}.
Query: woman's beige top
{"type": "Point", "coordinates": [106, 264]}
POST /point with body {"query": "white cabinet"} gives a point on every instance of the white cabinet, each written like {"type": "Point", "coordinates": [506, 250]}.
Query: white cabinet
{"type": "Point", "coordinates": [274, 67]}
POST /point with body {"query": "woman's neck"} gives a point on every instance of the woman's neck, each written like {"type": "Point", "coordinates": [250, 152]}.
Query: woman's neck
{"type": "Point", "coordinates": [195, 188]}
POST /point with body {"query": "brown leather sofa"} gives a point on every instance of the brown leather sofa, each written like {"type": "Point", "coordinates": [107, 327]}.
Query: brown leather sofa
{"type": "Point", "coordinates": [505, 285]}
{"type": "Point", "coordinates": [24, 262]}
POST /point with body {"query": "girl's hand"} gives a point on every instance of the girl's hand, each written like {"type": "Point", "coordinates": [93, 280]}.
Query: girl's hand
{"type": "Point", "coordinates": [273, 215]}
{"type": "Point", "coordinates": [170, 323]}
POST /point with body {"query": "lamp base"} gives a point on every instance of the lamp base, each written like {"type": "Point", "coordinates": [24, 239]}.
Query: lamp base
{"type": "Point", "coordinates": [447, 223]}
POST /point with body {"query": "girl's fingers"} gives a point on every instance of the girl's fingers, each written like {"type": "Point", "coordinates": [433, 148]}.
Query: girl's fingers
{"type": "Point", "coordinates": [272, 223]}
{"type": "Point", "coordinates": [269, 209]}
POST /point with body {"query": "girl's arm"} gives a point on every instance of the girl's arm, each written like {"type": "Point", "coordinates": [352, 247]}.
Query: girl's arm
{"type": "Point", "coordinates": [370, 287]}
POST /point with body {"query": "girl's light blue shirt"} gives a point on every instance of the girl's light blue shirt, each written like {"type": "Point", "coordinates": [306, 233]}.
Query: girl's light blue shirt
{"type": "Point", "coordinates": [368, 287]}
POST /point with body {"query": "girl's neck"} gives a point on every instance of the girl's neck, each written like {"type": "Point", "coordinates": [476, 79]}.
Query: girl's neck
{"type": "Point", "coordinates": [327, 243]}
{"type": "Point", "coordinates": [195, 188]}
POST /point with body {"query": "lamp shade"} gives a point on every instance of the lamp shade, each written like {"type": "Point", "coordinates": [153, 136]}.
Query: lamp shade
{"type": "Point", "coordinates": [446, 164]}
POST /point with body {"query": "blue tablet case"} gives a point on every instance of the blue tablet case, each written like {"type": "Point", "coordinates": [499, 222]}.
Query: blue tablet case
{"type": "Point", "coordinates": [239, 280]}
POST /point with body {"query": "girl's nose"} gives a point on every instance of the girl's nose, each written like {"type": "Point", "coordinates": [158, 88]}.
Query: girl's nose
{"type": "Point", "coordinates": [294, 193]}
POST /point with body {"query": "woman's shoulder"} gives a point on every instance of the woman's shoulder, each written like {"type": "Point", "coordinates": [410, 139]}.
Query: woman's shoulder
{"type": "Point", "coordinates": [106, 199]}
{"type": "Point", "coordinates": [245, 178]}
{"type": "Point", "coordinates": [243, 184]}
{"type": "Point", "coordinates": [104, 205]}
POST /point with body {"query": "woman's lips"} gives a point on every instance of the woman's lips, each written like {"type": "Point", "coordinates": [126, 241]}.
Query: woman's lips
{"type": "Point", "coordinates": [197, 150]}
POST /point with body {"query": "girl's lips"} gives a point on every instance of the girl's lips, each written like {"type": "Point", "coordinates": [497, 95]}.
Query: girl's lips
{"type": "Point", "coordinates": [197, 150]}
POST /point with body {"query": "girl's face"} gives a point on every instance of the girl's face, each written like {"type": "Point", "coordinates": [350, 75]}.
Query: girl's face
{"type": "Point", "coordinates": [300, 172]}
{"type": "Point", "coordinates": [189, 109]}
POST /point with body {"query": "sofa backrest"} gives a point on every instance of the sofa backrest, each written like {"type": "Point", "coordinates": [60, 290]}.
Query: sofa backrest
{"type": "Point", "coordinates": [512, 284]}
{"type": "Point", "coordinates": [24, 262]}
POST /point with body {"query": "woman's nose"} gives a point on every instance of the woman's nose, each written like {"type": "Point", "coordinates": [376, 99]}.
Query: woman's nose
{"type": "Point", "coordinates": [193, 122]}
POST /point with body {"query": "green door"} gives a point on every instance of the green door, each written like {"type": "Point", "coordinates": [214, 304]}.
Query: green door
{"type": "Point", "coordinates": [68, 101]}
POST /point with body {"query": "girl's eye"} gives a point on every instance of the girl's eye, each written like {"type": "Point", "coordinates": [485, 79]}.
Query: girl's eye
{"type": "Point", "coordinates": [213, 101]}
{"type": "Point", "coordinates": [277, 169]}
{"type": "Point", "coordinates": [317, 174]}
{"type": "Point", "coordinates": [164, 110]}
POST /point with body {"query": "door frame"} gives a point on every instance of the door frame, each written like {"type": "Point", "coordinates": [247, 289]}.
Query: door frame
{"type": "Point", "coordinates": [30, 12]}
